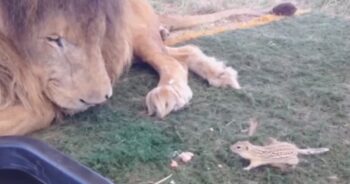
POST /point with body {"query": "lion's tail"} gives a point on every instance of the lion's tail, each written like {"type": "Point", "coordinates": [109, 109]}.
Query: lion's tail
{"type": "Point", "coordinates": [191, 35]}
{"type": "Point", "coordinates": [177, 22]}
{"type": "Point", "coordinates": [262, 17]}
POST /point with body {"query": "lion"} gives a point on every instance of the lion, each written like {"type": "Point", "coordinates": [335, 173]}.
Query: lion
{"type": "Point", "coordinates": [63, 57]}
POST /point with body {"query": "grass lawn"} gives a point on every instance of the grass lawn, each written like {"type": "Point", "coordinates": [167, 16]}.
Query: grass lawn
{"type": "Point", "coordinates": [296, 79]}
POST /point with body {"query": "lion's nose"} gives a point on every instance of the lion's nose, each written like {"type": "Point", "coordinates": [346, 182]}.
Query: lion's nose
{"type": "Point", "coordinates": [109, 94]}
{"type": "Point", "coordinates": [94, 98]}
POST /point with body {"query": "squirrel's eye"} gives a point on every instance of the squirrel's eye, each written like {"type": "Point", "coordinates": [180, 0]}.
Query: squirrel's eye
{"type": "Point", "coordinates": [55, 39]}
{"type": "Point", "coordinates": [238, 147]}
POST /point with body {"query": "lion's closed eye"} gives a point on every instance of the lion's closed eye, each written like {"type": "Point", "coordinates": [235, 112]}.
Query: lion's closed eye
{"type": "Point", "coordinates": [55, 40]}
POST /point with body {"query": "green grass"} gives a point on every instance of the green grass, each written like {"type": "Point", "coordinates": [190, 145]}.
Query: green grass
{"type": "Point", "coordinates": [296, 80]}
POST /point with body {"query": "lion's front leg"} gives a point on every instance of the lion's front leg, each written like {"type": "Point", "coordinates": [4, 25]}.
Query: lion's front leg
{"type": "Point", "coordinates": [172, 92]}
{"type": "Point", "coordinates": [17, 120]}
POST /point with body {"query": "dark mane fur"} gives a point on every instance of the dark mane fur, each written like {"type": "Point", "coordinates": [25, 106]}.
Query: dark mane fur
{"type": "Point", "coordinates": [20, 16]}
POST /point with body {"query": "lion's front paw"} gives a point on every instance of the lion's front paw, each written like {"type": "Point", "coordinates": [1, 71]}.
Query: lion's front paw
{"type": "Point", "coordinates": [228, 77]}
{"type": "Point", "coordinates": [166, 98]}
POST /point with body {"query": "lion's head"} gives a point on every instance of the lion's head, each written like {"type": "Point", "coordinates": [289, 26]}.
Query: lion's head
{"type": "Point", "coordinates": [79, 46]}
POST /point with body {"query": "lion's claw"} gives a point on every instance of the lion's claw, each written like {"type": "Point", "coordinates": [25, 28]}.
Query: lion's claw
{"type": "Point", "coordinates": [227, 77]}
{"type": "Point", "coordinates": [167, 98]}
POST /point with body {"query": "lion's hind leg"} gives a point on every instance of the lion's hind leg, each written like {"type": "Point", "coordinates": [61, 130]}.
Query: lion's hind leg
{"type": "Point", "coordinates": [214, 71]}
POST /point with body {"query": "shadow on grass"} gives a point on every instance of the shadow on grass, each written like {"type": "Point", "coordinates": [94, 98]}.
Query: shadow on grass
{"type": "Point", "coordinates": [295, 75]}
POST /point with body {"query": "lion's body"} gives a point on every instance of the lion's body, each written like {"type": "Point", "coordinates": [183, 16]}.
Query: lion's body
{"type": "Point", "coordinates": [63, 56]}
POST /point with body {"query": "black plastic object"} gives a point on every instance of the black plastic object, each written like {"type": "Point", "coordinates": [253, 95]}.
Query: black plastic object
{"type": "Point", "coordinates": [28, 161]}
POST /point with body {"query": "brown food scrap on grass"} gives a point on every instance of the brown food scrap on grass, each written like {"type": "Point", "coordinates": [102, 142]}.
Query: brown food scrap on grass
{"type": "Point", "coordinates": [186, 157]}
{"type": "Point", "coordinates": [174, 164]}
{"type": "Point", "coordinates": [253, 126]}
{"type": "Point", "coordinates": [277, 154]}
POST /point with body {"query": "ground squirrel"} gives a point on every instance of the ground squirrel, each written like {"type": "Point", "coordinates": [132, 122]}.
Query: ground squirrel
{"type": "Point", "coordinates": [277, 154]}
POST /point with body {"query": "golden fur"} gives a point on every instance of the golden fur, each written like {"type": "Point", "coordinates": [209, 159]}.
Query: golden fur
{"type": "Point", "coordinates": [63, 56]}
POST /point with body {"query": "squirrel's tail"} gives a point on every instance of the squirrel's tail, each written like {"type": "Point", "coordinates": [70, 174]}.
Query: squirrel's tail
{"type": "Point", "coordinates": [313, 151]}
